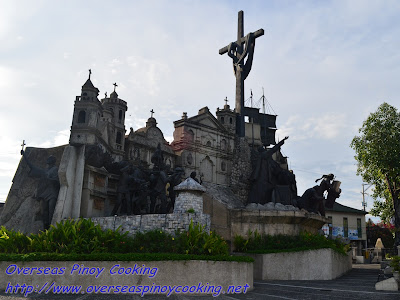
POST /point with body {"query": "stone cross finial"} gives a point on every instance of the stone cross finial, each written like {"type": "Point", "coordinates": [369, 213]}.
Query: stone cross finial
{"type": "Point", "coordinates": [90, 72]}
{"type": "Point", "coordinates": [152, 112]}
{"type": "Point", "coordinates": [22, 145]}
{"type": "Point", "coordinates": [226, 100]}
{"type": "Point", "coordinates": [241, 52]}
{"type": "Point", "coordinates": [115, 85]}
{"type": "Point", "coordinates": [105, 94]}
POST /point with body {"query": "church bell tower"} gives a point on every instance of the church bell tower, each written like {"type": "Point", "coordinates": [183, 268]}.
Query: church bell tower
{"type": "Point", "coordinates": [87, 113]}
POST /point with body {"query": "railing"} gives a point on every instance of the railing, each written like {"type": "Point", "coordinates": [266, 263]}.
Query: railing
{"type": "Point", "coordinates": [376, 255]}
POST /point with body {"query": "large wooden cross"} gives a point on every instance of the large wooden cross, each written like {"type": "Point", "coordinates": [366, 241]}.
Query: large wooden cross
{"type": "Point", "coordinates": [240, 50]}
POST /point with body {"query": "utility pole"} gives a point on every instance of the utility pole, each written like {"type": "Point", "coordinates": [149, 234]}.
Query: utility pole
{"type": "Point", "coordinates": [364, 203]}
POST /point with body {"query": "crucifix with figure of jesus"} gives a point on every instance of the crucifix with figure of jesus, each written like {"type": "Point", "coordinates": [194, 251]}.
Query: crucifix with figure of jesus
{"type": "Point", "coordinates": [241, 51]}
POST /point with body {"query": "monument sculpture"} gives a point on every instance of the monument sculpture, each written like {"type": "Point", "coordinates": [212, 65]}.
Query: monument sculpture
{"type": "Point", "coordinates": [47, 187]}
{"type": "Point", "coordinates": [105, 173]}
{"type": "Point", "coordinates": [139, 187]}
{"type": "Point", "coordinates": [331, 186]}
{"type": "Point", "coordinates": [263, 178]}
{"type": "Point", "coordinates": [241, 51]}
{"type": "Point", "coordinates": [124, 191]}
{"type": "Point", "coordinates": [193, 175]}
{"type": "Point", "coordinates": [313, 199]}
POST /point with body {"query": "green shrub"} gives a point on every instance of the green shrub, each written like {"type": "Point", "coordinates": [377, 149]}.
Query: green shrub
{"type": "Point", "coordinates": [197, 241]}
{"type": "Point", "coordinates": [78, 236]}
{"type": "Point", "coordinates": [119, 257]}
{"type": "Point", "coordinates": [13, 242]}
{"type": "Point", "coordinates": [256, 243]}
{"type": "Point", "coordinates": [154, 241]}
{"type": "Point", "coordinates": [395, 263]}
{"type": "Point", "coordinates": [84, 237]}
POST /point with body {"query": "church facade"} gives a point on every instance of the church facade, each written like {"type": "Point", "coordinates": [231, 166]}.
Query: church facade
{"type": "Point", "coordinates": [203, 143]}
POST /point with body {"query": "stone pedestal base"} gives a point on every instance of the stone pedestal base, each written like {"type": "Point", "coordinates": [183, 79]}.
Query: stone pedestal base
{"type": "Point", "coordinates": [274, 222]}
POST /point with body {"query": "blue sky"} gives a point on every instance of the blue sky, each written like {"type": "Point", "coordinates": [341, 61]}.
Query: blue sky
{"type": "Point", "coordinates": [324, 66]}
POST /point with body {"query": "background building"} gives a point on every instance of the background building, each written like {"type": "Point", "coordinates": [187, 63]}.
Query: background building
{"type": "Point", "coordinates": [347, 222]}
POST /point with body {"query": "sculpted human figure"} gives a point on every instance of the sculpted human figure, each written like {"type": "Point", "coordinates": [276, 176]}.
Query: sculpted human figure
{"type": "Point", "coordinates": [329, 185]}
{"type": "Point", "coordinates": [193, 175]}
{"type": "Point", "coordinates": [312, 201]}
{"type": "Point", "coordinates": [158, 158]}
{"type": "Point", "coordinates": [47, 188]}
{"type": "Point", "coordinates": [262, 179]}
{"type": "Point", "coordinates": [173, 180]}
{"type": "Point", "coordinates": [138, 191]}
{"type": "Point", "coordinates": [123, 192]}
{"type": "Point", "coordinates": [158, 181]}
{"type": "Point", "coordinates": [313, 198]}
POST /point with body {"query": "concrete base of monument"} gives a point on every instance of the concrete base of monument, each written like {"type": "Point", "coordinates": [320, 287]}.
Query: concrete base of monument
{"type": "Point", "coordinates": [110, 277]}
{"type": "Point", "coordinates": [273, 222]}
{"type": "Point", "coordinates": [322, 264]}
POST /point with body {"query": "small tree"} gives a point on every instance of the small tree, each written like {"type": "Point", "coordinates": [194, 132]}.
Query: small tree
{"type": "Point", "coordinates": [378, 156]}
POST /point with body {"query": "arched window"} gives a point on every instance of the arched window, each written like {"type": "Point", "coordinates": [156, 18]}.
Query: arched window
{"type": "Point", "coordinates": [190, 135]}
{"type": "Point", "coordinates": [82, 116]}
{"type": "Point", "coordinates": [119, 138]}
{"type": "Point", "coordinates": [230, 120]}
{"type": "Point", "coordinates": [223, 166]}
{"type": "Point", "coordinates": [120, 116]}
{"type": "Point", "coordinates": [222, 120]}
{"type": "Point", "coordinates": [208, 144]}
{"type": "Point", "coordinates": [189, 158]}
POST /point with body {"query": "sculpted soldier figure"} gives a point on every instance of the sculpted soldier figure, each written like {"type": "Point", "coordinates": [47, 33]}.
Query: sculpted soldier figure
{"type": "Point", "coordinates": [47, 188]}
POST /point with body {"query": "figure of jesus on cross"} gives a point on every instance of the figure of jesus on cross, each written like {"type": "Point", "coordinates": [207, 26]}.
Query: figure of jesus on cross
{"type": "Point", "coordinates": [240, 50]}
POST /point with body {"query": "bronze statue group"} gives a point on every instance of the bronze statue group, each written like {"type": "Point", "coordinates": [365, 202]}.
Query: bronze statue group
{"type": "Point", "coordinates": [139, 190]}
{"type": "Point", "coordinates": [269, 182]}
{"type": "Point", "coordinates": [145, 191]}
{"type": "Point", "coordinates": [142, 191]}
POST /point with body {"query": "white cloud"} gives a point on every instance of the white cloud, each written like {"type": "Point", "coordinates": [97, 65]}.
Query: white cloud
{"type": "Point", "coordinates": [115, 62]}
{"type": "Point", "coordinates": [327, 127]}
{"type": "Point", "coordinates": [147, 74]}
{"type": "Point", "coordinates": [62, 138]}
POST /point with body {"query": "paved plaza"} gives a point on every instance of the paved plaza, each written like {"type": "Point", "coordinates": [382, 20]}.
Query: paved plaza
{"type": "Point", "coordinates": [359, 283]}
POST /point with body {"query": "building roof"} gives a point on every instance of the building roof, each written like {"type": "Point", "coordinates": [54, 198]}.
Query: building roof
{"type": "Point", "coordinates": [337, 207]}
{"type": "Point", "coordinates": [89, 86]}
{"type": "Point", "coordinates": [114, 95]}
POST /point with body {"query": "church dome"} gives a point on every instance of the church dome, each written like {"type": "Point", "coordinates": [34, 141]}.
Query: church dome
{"type": "Point", "coordinates": [114, 95]}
